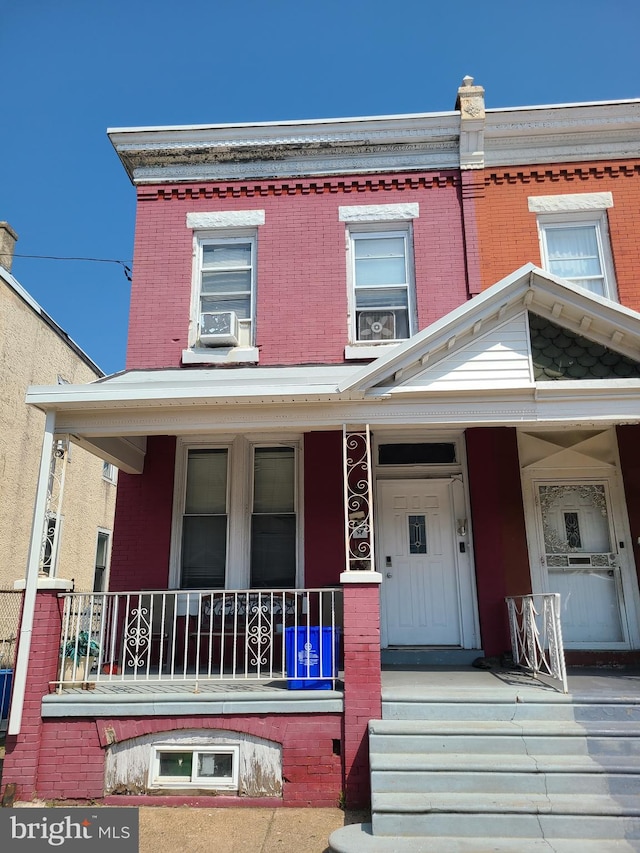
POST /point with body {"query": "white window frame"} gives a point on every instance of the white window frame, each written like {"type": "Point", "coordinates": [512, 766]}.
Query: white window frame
{"type": "Point", "coordinates": [578, 210]}
{"type": "Point", "coordinates": [218, 227]}
{"type": "Point", "coordinates": [180, 497]}
{"type": "Point", "coordinates": [294, 445]}
{"type": "Point", "coordinates": [102, 531]}
{"type": "Point", "coordinates": [239, 501]}
{"type": "Point", "coordinates": [109, 472]}
{"type": "Point", "coordinates": [226, 783]}
{"type": "Point", "coordinates": [378, 220]}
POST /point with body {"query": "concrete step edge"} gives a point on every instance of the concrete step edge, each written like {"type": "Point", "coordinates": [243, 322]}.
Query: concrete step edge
{"type": "Point", "coordinates": [562, 728]}
{"type": "Point", "coordinates": [498, 763]}
{"type": "Point", "coordinates": [358, 838]}
{"type": "Point", "coordinates": [548, 804]}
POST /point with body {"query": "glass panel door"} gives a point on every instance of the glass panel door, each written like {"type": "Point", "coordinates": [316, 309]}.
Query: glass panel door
{"type": "Point", "coordinates": [581, 561]}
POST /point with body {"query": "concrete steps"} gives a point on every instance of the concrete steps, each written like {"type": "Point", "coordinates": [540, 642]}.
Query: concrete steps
{"type": "Point", "coordinates": [552, 773]}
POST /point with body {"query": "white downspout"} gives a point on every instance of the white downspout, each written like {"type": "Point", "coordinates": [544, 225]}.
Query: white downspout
{"type": "Point", "coordinates": [31, 585]}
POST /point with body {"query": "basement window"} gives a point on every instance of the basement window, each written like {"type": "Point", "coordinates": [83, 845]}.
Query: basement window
{"type": "Point", "coordinates": [204, 767]}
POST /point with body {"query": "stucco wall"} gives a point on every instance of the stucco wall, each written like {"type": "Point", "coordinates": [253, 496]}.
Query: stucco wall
{"type": "Point", "coordinates": [32, 353]}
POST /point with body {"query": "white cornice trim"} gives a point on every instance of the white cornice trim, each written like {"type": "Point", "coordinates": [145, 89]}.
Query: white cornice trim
{"type": "Point", "coordinates": [605, 130]}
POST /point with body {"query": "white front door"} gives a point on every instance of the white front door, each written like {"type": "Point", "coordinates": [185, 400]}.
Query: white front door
{"type": "Point", "coordinates": [581, 560]}
{"type": "Point", "coordinates": [416, 555]}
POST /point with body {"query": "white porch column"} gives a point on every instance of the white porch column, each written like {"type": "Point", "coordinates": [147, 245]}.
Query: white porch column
{"type": "Point", "coordinates": [33, 567]}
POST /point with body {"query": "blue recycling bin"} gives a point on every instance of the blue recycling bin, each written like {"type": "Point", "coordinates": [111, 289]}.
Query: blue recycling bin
{"type": "Point", "coordinates": [311, 661]}
{"type": "Point", "coordinates": [6, 680]}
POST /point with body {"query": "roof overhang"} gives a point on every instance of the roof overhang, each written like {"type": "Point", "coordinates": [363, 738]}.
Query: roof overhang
{"type": "Point", "coordinates": [555, 133]}
{"type": "Point", "coordinates": [528, 288]}
{"type": "Point", "coordinates": [406, 388]}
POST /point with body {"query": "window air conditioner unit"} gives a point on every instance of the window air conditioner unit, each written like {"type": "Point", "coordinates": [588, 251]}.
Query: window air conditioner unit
{"type": "Point", "coordinates": [218, 328]}
{"type": "Point", "coordinates": [376, 326]}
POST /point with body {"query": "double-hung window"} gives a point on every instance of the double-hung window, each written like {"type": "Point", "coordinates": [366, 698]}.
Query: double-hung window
{"type": "Point", "coordinates": [204, 522]}
{"type": "Point", "coordinates": [381, 285]}
{"type": "Point", "coordinates": [273, 520]}
{"type": "Point", "coordinates": [380, 275]}
{"type": "Point", "coordinates": [224, 286]}
{"type": "Point", "coordinates": [574, 240]}
{"type": "Point", "coordinates": [226, 291]}
{"type": "Point", "coordinates": [101, 562]}
{"type": "Point", "coordinates": [237, 517]}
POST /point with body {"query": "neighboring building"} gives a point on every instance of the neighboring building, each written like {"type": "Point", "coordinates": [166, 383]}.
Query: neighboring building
{"type": "Point", "coordinates": [35, 350]}
{"type": "Point", "coordinates": [339, 378]}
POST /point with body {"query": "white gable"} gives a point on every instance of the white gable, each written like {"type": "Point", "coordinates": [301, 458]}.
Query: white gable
{"type": "Point", "coordinates": [498, 359]}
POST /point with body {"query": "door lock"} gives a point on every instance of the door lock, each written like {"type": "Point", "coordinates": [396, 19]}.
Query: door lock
{"type": "Point", "coordinates": [389, 575]}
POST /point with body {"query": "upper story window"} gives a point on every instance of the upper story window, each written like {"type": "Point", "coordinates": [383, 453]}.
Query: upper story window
{"type": "Point", "coordinates": [223, 301]}
{"type": "Point", "coordinates": [574, 239]}
{"type": "Point", "coordinates": [380, 274]}
{"type": "Point", "coordinates": [227, 285]}
{"type": "Point", "coordinates": [380, 286]}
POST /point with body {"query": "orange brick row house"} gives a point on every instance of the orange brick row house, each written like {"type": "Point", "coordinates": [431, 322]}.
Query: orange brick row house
{"type": "Point", "coordinates": [382, 374]}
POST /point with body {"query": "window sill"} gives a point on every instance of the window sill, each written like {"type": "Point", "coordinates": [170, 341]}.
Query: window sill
{"type": "Point", "coordinates": [360, 351]}
{"type": "Point", "coordinates": [221, 355]}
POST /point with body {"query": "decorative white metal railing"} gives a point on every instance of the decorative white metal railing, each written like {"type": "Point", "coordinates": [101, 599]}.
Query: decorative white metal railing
{"type": "Point", "coordinates": [201, 635]}
{"type": "Point", "coordinates": [536, 635]}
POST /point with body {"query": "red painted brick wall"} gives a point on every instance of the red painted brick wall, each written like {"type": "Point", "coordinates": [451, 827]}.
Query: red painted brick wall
{"type": "Point", "coordinates": [72, 754]}
{"type": "Point", "coordinates": [324, 554]}
{"type": "Point", "coordinates": [142, 527]}
{"type": "Point", "coordinates": [362, 685]}
{"type": "Point", "coordinates": [302, 267]}
{"type": "Point", "coordinates": [508, 236]}
{"type": "Point", "coordinates": [22, 757]}
{"type": "Point", "coordinates": [499, 536]}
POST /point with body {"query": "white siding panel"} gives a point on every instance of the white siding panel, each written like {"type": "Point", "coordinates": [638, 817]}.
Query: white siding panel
{"type": "Point", "coordinates": [499, 358]}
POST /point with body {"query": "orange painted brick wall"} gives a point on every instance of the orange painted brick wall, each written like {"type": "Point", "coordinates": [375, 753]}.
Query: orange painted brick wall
{"type": "Point", "coordinates": [508, 236]}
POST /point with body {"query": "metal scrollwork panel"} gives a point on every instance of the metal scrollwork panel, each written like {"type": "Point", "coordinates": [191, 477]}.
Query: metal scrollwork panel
{"type": "Point", "coordinates": [358, 500]}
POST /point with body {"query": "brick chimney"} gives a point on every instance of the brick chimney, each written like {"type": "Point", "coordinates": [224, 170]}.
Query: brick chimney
{"type": "Point", "coordinates": [8, 239]}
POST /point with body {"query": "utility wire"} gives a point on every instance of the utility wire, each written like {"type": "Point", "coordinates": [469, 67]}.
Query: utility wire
{"type": "Point", "coordinates": [125, 267]}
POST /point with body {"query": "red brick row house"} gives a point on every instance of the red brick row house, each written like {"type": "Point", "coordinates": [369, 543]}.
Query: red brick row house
{"type": "Point", "coordinates": [382, 373]}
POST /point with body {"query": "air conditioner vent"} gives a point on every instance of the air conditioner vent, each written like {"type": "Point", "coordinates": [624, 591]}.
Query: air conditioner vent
{"type": "Point", "coordinates": [218, 328]}
{"type": "Point", "coordinates": [376, 326]}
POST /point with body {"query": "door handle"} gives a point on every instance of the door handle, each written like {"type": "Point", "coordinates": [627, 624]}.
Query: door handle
{"type": "Point", "coordinates": [389, 575]}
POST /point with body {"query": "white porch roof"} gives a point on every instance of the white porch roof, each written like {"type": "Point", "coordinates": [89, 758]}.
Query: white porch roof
{"type": "Point", "coordinates": [472, 367]}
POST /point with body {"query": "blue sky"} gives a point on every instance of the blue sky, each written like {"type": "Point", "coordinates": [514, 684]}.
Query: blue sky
{"type": "Point", "coordinates": [73, 68]}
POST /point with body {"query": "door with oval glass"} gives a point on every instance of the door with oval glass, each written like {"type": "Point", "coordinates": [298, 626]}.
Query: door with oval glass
{"type": "Point", "coordinates": [580, 560]}
{"type": "Point", "coordinates": [417, 557]}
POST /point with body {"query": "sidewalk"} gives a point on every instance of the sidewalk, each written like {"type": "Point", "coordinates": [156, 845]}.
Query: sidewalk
{"type": "Point", "coordinates": [242, 830]}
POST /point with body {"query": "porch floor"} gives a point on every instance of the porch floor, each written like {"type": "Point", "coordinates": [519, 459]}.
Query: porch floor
{"type": "Point", "coordinates": [436, 682]}
{"type": "Point", "coordinates": [411, 681]}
